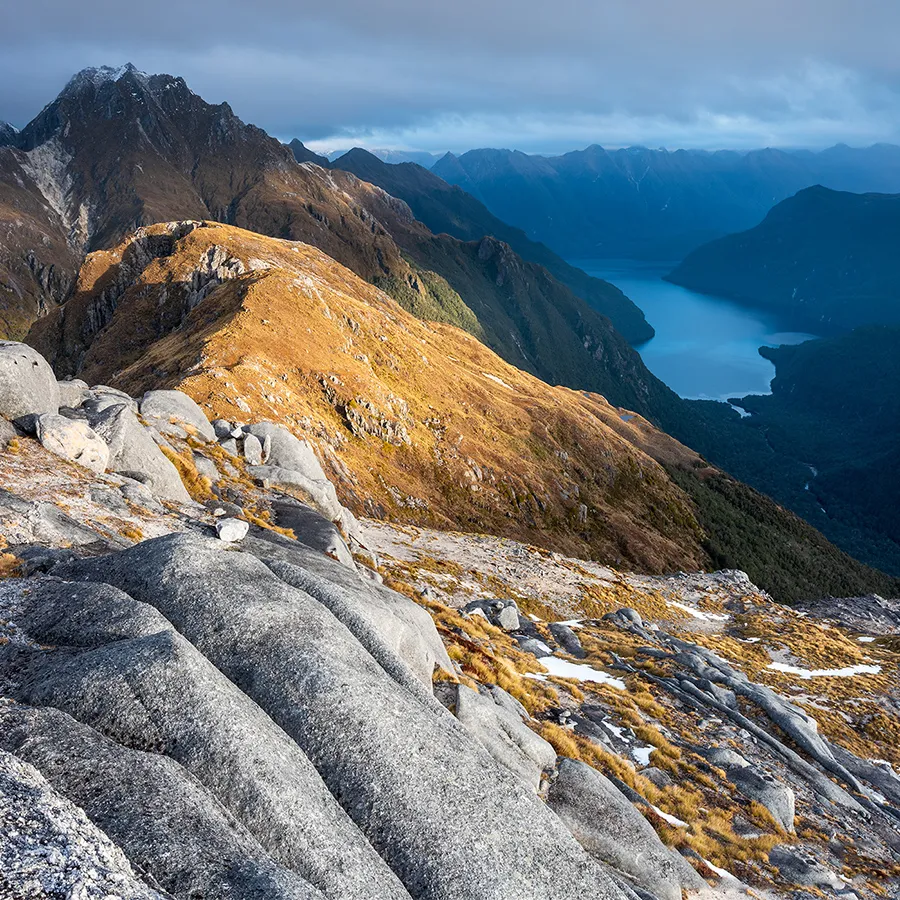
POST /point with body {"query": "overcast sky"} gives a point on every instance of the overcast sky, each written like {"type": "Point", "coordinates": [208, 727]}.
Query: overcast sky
{"type": "Point", "coordinates": [536, 75]}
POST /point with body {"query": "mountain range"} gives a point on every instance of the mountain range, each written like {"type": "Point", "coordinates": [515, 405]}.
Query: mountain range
{"type": "Point", "coordinates": [825, 261]}
{"type": "Point", "coordinates": [654, 204]}
{"type": "Point", "coordinates": [119, 150]}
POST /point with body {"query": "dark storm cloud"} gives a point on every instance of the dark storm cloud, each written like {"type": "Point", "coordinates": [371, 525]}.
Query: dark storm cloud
{"type": "Point", "coordinates": [536, 74]}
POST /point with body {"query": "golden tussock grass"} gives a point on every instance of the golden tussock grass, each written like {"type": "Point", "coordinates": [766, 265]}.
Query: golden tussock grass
{"type": "Point", "coordinates": [197, 485]}
{"type": "Point", "coordinates": [9, 565]}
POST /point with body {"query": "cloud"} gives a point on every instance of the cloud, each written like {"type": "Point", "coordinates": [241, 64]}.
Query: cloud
{"type": "Point", "coordinates": [529, 74]}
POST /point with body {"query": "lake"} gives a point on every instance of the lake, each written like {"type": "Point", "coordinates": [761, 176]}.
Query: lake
{"type": "Point", "coordinates": [705, 347]}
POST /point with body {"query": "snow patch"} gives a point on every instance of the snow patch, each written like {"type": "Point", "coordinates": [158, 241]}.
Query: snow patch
{"type": "Point", "coordinates": [722, 873]}
{"type": "Point", "coordinates": [497, 379]}
{"type": "Point", "coordinates": [642, 754]}
{"type": "Point", "coordinates": [846, 672]}
{"type": "Point", "coordinates": [672, 820]}
{"type": "Point", "coordinates": [561, 668]}
{"type": "Point", "coordinates": [699, 613]}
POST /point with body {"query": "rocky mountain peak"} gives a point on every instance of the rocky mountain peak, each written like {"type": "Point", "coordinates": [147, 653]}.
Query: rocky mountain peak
{"type": "Point", "coordinates": [8, 134]}
{"type": "Point", "coordinates": [96, 76]}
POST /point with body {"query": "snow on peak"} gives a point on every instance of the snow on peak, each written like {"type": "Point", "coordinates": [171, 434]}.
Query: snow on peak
{"type": "Point", "coordinates": [98, 75]}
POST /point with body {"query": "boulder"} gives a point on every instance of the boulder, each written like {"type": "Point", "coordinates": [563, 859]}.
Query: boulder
{"type": "Point", "coordinates": [500, 728]}
{"type": "Point", "coordinates": [443, 814]}
{"type": "Point", "coordinates": [567, 639]}
{"type": "Point", "coordinates": [725, 758]}
{"type": "Point", "coordinates": [138, 681]}
{"type": "Point", "coordinates": [253, 451]}
{"type": "Point", "coordinates": [73, 393]}
{"type": "Point", "coordinates": [168, 411]}
{"type": "Point", "coordinates": [231, 530]}
{"type": "Point", "coordinates": [312, 528]}
{"type": "Point", "coordinates": [140, 495]}
{"type": "Point", "coordinates": [288, 460]}
{"type": "Point", "coordinates": [229, 445]}
{"type": "Point", "coordinates": [321, 492]}
{"type": "Point", "coordinates": [794, 868]}
{"type": "Point", "coordinates": [7, 433]}
{"type": "Point", "coordinates": [73, 439]}
{"type": "Point", "coordinates": [132, 450]}
{"type": "Point", "coordinates": [613, 831]}
{"type": "Point", "coordinates": [776, 797]}
{"type": "Point", "coordinates": [27, 383]}
{"type": "Point", "coordinates": [206, 467]}
{"type": "Point", "coordinates": [50, 845]}
{"type": "Point", "coordinates": [165, 821]}
{"type": "Point", "coordinates": [534, 646]}
{"type": "Point", "coordinates": [102, 397]}
{"type": "Point", "coordinates": [288, 451]}
{"type": "Point", "coordinates": [508, 617]}
{"type": "Point", "coordinates": [222, 428]}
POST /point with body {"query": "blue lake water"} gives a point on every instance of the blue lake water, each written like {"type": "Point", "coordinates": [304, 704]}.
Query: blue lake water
{"type": "Point", "coordinates": [705, 347]}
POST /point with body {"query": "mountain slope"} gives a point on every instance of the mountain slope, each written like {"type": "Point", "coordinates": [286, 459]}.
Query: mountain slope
{"type": "Point", "coordinates": [425, 423]}
{"type": "Point", "coordinates": [653, 204]}
{"type": "Point", "coordinates": [419, 422]}
{"type": "Point", "coordinates": [823, 259]}
{"type": "Point", "coordinates": [444, 208]}
{"type": "Point", "coordinates": [119, 149]}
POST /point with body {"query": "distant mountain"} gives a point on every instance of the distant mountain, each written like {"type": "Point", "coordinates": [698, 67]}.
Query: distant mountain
{"type": "Point", "coordinates": [420, 157]}
{"type": "Point", "coordinates": [449, 209]}
{"type": "Point", "coordinates": [825, 260]}
{"type": "Point", "coordinates": [302, 153]}
{"type": "Point", "coordinates": [653, 204]}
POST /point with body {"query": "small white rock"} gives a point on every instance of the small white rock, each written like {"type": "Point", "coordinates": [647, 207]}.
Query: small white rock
{"type": "Point", "coordinates": [232, 530]}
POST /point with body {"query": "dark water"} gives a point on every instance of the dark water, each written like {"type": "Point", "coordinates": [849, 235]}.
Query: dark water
{"type": "Point", "coordinates": [705, 347]}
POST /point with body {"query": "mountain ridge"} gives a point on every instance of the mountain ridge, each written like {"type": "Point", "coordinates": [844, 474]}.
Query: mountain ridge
{"type": "Point", "coordinates": [225, 315]}
{"type": "Point", "coordinates": [457, 213]}
{"type": "Point", "coordinates": [653, 204]}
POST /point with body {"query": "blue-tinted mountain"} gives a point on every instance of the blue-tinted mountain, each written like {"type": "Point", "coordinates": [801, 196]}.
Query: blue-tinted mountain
{"type": "Point", "coordinates": [654, 204]}
{"type": "Point", "coordinates": [825, 260]}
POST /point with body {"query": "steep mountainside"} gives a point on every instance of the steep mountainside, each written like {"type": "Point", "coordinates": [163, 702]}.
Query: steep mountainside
{"type": "Point", "coordinates": [653, 204]}
{"type": "Point", "coordinates": [37, 262]}
{"type": "Point", "coordinates": [424, 422]}
{"type": "Point", "coordinates": [823, 259]}
{"type": "Point", "coordinates": [835, 406]}
{"type": "Point", "coordinates": [419, 422]}
{"type": "Point", "coordinates": [448, 209]}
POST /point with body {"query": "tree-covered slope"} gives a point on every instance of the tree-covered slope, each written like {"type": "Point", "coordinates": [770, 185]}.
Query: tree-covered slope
{"type": "Point", "coordinates": [825, 260]}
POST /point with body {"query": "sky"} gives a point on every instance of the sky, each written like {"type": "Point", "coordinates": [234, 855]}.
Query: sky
{"type": "Point", "coordinates": [542, 76]}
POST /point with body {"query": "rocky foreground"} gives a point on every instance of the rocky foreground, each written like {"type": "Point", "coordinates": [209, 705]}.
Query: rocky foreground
{"type": "Point", "coordinates": [217, 682]}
